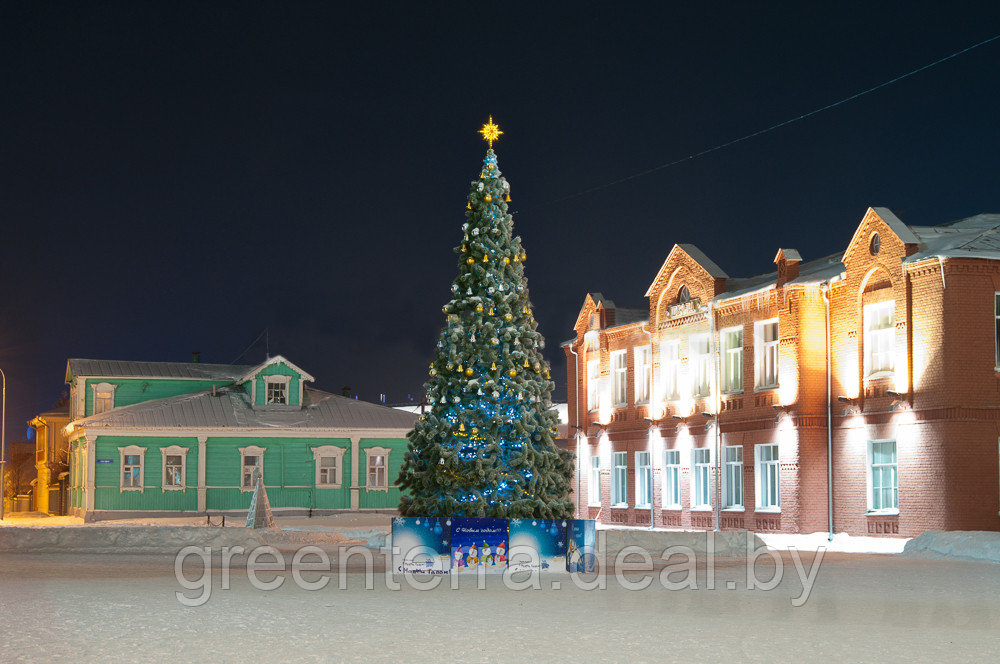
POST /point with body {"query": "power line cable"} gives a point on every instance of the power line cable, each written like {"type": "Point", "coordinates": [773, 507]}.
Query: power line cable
{"type": "Point", "coordinates": [778, 125]}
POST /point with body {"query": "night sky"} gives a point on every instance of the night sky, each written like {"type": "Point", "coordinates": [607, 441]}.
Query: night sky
{"type": "Point", "coordinates": [184, 177]}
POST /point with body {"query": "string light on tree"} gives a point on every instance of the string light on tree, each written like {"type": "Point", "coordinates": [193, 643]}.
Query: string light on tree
{"type": "Point", "coordinates": [485, 447]}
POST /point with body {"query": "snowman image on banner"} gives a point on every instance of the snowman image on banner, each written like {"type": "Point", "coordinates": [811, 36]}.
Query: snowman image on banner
{"type": "Point", "coordinates": [459, 557]}
{"type": "Point", "coordinates": [501, 556]}
{"type": "Point", "coordinates": [473, 559]}
{"type": "Point", "coordinates": [487, 554]}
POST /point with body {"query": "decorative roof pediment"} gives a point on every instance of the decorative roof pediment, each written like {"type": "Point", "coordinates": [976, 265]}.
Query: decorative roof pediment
{"type": "Point", "coordinates": [881, 221]}
{"type": "Point", "coordinates": [273, 361]}
{"type": "Point", "coordinates": [691, 256]}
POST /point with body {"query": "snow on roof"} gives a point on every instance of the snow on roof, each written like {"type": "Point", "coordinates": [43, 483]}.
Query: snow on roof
{"type": "Point", "coordinates": [814, 271]}
{"type": "Point", "coordinates": [707, 263]}
{"type": "Point", "coordinates": [133, 369]}
{"type": "Point", "coordinates": [230, 408]}
{"type": "Point", "coordinates": [973, 237]}
{"type": "Point", "coordinates": [898, 227]}
{"type": "Point", "coordinates": [277, 359]}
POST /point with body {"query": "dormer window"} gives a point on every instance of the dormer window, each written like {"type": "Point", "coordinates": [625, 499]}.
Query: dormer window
{"type": "Point", "coordinates": [104, 397]}
{"type": "Point", "coordinates": [276, 390]}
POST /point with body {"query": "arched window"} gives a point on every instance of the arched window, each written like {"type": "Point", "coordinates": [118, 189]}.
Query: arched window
{"type": "Point", "coordinates": [683, 295]}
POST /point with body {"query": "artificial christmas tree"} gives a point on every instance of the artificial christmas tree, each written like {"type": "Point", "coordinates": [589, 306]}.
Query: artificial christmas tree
{"type": "Point", "coordinates": [485, 448]}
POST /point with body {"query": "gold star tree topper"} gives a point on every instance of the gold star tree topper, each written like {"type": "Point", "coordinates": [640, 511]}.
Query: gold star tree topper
{"type": "Point", "coordinates": [490, 132]}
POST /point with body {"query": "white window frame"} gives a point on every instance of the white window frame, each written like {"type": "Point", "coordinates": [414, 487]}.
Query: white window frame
{"type": "Point", "coordinates": [643, 374]}
{"type": "Point", "coordinates": [670, 363]}
{"type": "Point", "coordinates": [619, 377]}
{"type": "Point", "coordinates": [880, 342]}
{"type": "Point", "coordinates": [252, 450]}
{"type": "Point", "coordinates": [765, 353]}
{"type": "Point", "coordinates": [732, 478]}
{"type": "Point", "coordinates": [593, 384]}
{"type": "Point", "coordinates": [594, 486]}
{"type": "Point", "coordinates": [701, 472]}
{"type": "Point", "coordinates": [103, 388]}
{"type": "Point", "coordinates": [671, 480]}
{"type": "Point", "coordinates": [870, 480]}
{"type": "Point", "coordinates": [371, 453]}
{"type": "Point", "coordinates": [731, 340]}
{"type": "Point", "coordinates": [701, 364]}
{"type": "Point", "coordinates": [619, 479]}
{"type": "Point", "coordinates": [285, 383]}
{"type": "Point", "coordinates": [132, 450]}
{"type": "Point", "coordinates": [763, 470]}
{"type": "Point", "coordinates": [173, 450]}
{"type": "Point", "coordinates": [326, 452]}
{"type": "Point", "coordinates": [643, 479]}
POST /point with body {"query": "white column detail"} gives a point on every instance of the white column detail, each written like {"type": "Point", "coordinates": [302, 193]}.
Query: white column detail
{"type": "Point", "coordinates": [202, 498]}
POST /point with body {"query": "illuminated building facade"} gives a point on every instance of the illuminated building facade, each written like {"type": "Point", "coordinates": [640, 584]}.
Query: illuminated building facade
{"type": "Point", "coordinates": [871, 376]}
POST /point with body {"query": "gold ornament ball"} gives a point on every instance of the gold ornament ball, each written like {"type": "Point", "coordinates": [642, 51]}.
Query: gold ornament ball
{"type": "Point", "coordinates": [508, 317]}
{"type": "Point", "coordinates": [470, 260]}
{"type": "Point", "coordinates": [479, 308]}
{"type": "Point", "coordinates": [511, 373]}
{"type": "Point", "coordinates": [488, 198]}
{"type": "Point", "coordinates": [468, 372]}
{"type": "Point", "coordinates": [506, 260]}
{"type": "Point", "coordinates": [433, 372]}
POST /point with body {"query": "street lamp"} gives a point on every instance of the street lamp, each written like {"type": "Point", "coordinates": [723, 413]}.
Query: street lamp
{"type": "Point", "coordinates": [3, 442]}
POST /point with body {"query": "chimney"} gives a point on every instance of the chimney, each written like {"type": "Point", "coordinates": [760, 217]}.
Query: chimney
{"type": "Point", "coordinates": [345, 391]}
{"type": "Point", "coordinates": [787, 261]}
{"type": "Point", "coordinates": [196, 356]}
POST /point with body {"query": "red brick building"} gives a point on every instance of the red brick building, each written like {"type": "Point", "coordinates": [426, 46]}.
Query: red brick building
{"type": "Point", "coordinates": [870, 376]}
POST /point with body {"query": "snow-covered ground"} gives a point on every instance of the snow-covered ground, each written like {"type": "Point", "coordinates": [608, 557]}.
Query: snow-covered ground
{"type": "Point", "coordinates": [65, 608]}
{"type": "Point", "coordinates": [360, 520]}
{"type": "Point", "coordinates": [842, 543]}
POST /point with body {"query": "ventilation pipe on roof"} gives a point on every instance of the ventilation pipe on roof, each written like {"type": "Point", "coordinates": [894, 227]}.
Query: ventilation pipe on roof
{"type": "Point", "coordinates": [196, 356]}
{"type": "Point", "coordinates": [345, 391]}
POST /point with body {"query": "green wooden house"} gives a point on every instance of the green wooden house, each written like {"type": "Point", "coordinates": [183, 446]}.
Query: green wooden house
{"type": "Point", "coordinates": [170, 438]}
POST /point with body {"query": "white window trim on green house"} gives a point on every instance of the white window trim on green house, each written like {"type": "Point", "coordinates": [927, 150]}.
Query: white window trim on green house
{"type": "Point", "coordinates": [371, 453]}
{"type": "Point", "coordinates": [327, 451]}
{"type": "Point", "coordinates": [254, 451]}
{"type": "Point", "coordinates": [174, 450]}
{"type": "Point", "coordinates": [279, 381]}
{"type": "Point", "coordinates": [108, 401]}
{"type": "Point", "coordinates": [132, 450]}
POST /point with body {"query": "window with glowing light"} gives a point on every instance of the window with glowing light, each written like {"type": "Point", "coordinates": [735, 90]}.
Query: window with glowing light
{"type": "Point", "coordinates": [768, 478]}
{"type": "Point", "coordinates": [672, 479]}
{"type": "Point", "coordinates": [883, 478]}
{"type": "Point", "coordinates": [643, 480]}
{"type": "Point", "coordinates": [619, 368]}
{"type": "Point", "coordinates": [701, 473]}
{"type": "Point", "coordinates": [593, 383]}
{"type": "Point", "coordinates": [732, 359]}
{"type": "Point", "coordinates": [765, 353]}
{"type": "Point", "coordinates": [104, 397]}
{"type": "Point", "coordinates": [670, 365]}
{"type": "Point", "coordinates": [880, 337]}
{"type": "Point", "coordinates": [619, 480]}
{"type": "Point", "coordinates": [643, 373]}
{"type": "Point", "coordinates": [594, 488]}
{"type": "Point", "coordinates": [701, 365]}
{"type": "Point", "coordinates": [732, 477]}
